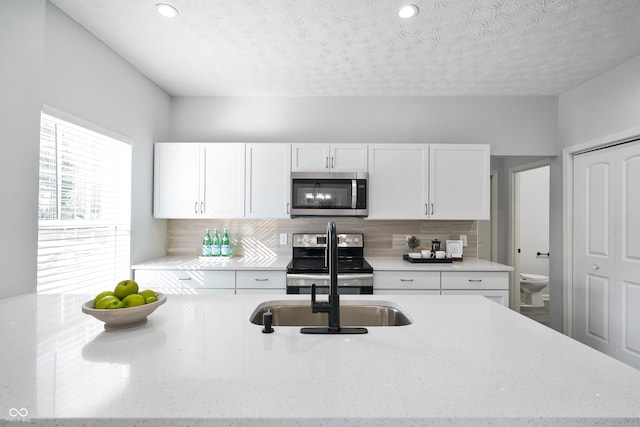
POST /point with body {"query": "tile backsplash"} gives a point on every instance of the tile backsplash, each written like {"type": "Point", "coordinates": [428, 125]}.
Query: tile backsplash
{"type": "Point", "coordinates": [261, 237]}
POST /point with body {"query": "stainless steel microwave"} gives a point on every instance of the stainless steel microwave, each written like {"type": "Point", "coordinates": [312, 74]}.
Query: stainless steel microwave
{"type": "Point", "coordinates": [329, 194]}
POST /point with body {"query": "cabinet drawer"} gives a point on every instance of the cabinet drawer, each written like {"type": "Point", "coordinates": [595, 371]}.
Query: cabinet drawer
{"type": "Point", "coordinates": [475, 280]}
{"type": "Point", "coordinates": [263, 279]}
{"type": "Point", "coordinates": [406, 292]}
{"type": "Point", "coordinates": [261, 291]}
{"type": "Point", "coordinates": [166, 281]}
{"type": "Point", "coordinates": [406, 280]}
{"type": "Point", "coordinates": [501, 297]}
{"type": "Point", "coordinates": [180, 280]}
{"type": "Point", "coordinates": [212, 291]}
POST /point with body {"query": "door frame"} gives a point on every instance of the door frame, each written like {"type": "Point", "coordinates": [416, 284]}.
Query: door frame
{"type": "Point", "coordinates": [493, 222]}
{"type": "Point", "coordinates": [567, 211]}
{"type": "Point", "coordinates": [514, 208]}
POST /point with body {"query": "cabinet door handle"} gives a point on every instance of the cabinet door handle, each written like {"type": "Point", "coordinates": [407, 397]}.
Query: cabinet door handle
{"type": "Point", "coordinates": [332, 162]}
{"type": "Point", "coordinates": [195, 208]}
{"type": "Point", "coordinates": [288, 208]}
{"type": "Point", "coordinates": [406, 280]}
{"type": "Point", "coordinates": [431, 208]}
{"type": "Point", "coordinates": [326, 162]}
{"type": "Point", "coordinates": [596, 267]}
{"type": "Point", "coordinates": [426, 209]}
{"type": "Point", "coordinates": [475, 280]}
{"type": "Point", "coordinates": [260, 280]}
{"type": "Point", "coordinates": [201, 207]}
{"type": "Point", "coordinates": [184, 278]}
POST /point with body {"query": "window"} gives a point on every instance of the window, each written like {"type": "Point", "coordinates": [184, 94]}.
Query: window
{"type": "Point", "coordinates": [84, 209]}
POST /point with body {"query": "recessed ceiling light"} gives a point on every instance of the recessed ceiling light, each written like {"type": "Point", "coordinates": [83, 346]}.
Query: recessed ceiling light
{"type": "Point", "coordinates": [408, 11]}
{"type": "Point", "coordinates": [167, 10]}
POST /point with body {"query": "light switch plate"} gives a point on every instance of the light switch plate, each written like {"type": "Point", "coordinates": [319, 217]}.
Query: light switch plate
{"type": "Point", "coordinates": [283, 238]}
{"type": "Point", "coordinates": [463, 237]}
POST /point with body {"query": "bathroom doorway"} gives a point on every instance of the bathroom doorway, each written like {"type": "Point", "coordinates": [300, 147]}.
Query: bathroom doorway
{"type": "Point", "coordinates": [530, 239]}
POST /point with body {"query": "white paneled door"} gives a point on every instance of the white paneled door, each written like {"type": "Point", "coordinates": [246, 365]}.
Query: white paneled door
{"type": "Point", "coordinates": [606, 253]}
{"type": "Point", "coordinates": [594, 242]}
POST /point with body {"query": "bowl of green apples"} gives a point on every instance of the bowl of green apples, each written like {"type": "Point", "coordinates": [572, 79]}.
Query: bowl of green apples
{"type": "Point", "coordinates": [125, 306]}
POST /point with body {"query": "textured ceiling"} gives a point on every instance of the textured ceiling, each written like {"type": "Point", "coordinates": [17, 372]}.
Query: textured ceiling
{"type": "Point", "coordinates": [362, 48]}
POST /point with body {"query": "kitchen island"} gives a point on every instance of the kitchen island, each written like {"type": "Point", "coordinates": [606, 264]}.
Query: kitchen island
{"type": "Point", "coordinates": [463, 360]}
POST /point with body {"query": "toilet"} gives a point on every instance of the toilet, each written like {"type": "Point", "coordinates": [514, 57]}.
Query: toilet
{"type": "Point", "coordinates": [531, 286]}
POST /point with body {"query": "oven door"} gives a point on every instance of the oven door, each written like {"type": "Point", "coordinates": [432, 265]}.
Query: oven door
{"type": "Point", "coordinates": [360, 284]}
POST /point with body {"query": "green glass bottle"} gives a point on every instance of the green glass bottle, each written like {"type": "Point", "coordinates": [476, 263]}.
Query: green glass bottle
{"type": "Point", "coordinates": [216, 243]}
{"type": "Point", "coordinates": [225, 248]}
{"type": "Point", "coordinates": [207, 244]}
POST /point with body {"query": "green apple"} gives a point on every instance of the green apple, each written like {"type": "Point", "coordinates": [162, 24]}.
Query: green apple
{"type": "Point", "coordinates": [102, 303]}
{"type": "Point", "coordinates": [148, 293]}
{"type": "Point", "coordinates": [100, 296]}
{"type": "Point", "coordinates": [124, 288]}
{"type": "Point", "coordinates": [151, 299]}
{"type": "Point", "coordinates": [113, 304]}
{"type": "Point", "coordinates": [133, 300]}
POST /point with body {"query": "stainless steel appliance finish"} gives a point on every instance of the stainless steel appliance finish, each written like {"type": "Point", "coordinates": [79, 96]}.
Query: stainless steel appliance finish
{"type": "Point", "coordinates": [352, 313]}
{"type": "Point", "coordinates": [308, 265]}
{"type": "Point", "coordinates": [329, 194]}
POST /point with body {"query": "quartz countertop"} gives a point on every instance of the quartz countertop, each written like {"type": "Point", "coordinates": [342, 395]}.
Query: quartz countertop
{"type": "Point", "coordinates": [464, 361]}
{"type": "Point", "coordinates": [280, 264]}
{"type": "Point", "coordinates": [214, 263]}
{"type": "Point", "coordinates": [468, 264]}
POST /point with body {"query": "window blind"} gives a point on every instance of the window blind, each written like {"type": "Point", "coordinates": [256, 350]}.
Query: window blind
{"type": "Point", "coordinates": [84, 209]}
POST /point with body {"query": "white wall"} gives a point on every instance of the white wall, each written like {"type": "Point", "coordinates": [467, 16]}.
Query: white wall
{"type": "Point", "coordinates": [607, 105]}
{"type": "Point", "coordinates": [511, 125]}
{"type": "Point", "coordinates": [50, 59]}
{"type": "Point", "coordinates": [603, 106]}
{"type": "Point", "coordinates": [534, 220]}
{"type": "Point", "coordinates": [21, 44]}
{"type": "Point", "coordinates": [85, 78]}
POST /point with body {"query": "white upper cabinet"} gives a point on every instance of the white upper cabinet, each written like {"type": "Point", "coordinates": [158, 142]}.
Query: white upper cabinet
{"type": "Point", "coordinates": [459, 181]}
{"type": "Point", "coordinates": [268, 180]}
{"type": "Point", "coordinates": [329, 157]}
{"type": "Point", "coordinates": [422, 181]}
{"type": "Point", "coordinates": [198, 180]}
{"type": "Point", "coordinates": [177, 182]}
{"type": "Point", "coordinates": [224, 180]}
{"type": "Point", "coordinates": [348, 157]}
{"type": "Point", "coordinates": [398, 181]}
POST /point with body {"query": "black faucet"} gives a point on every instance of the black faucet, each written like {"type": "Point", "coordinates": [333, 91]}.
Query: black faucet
{"type": "Point", "coordinates": [332, 306]}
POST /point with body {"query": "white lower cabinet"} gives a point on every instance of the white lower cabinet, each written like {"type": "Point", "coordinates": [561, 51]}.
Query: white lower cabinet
{"type": "Point", "coordinates": [187, 281]}
{"type": "Point", "coordinates": [501, 297]}
{"type": "Point", "coordinates": [406, 292]}
{"type": "Point", "coordinates": [260, 291]}
{"type": "Point", "coordinates": [211, 282]}
{"type": "Point", "coordinates": [260, 282]}
{"type": "Point", "coordinates": [414, 282]}
{"type": "Point", "coordinates": [492, 284]}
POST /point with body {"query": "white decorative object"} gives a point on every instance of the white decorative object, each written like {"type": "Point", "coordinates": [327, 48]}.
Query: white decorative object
{"type": "Point", "coordinates": [454, 249]}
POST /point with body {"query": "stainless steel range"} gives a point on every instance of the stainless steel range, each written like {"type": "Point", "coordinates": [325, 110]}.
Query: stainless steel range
{"type": "Point", "coordinates": [308, 265]}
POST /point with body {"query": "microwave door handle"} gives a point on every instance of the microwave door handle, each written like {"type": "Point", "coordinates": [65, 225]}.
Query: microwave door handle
{"type": "Point", "coordinates": [354, 193]}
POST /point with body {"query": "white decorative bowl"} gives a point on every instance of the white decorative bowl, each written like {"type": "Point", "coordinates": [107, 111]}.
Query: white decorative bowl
{"type": "Point", "coordinates": [123, 317]}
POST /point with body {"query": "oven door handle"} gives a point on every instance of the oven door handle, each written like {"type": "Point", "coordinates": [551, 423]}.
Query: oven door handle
{"type": "Point", "coordinates": [326, 276]}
